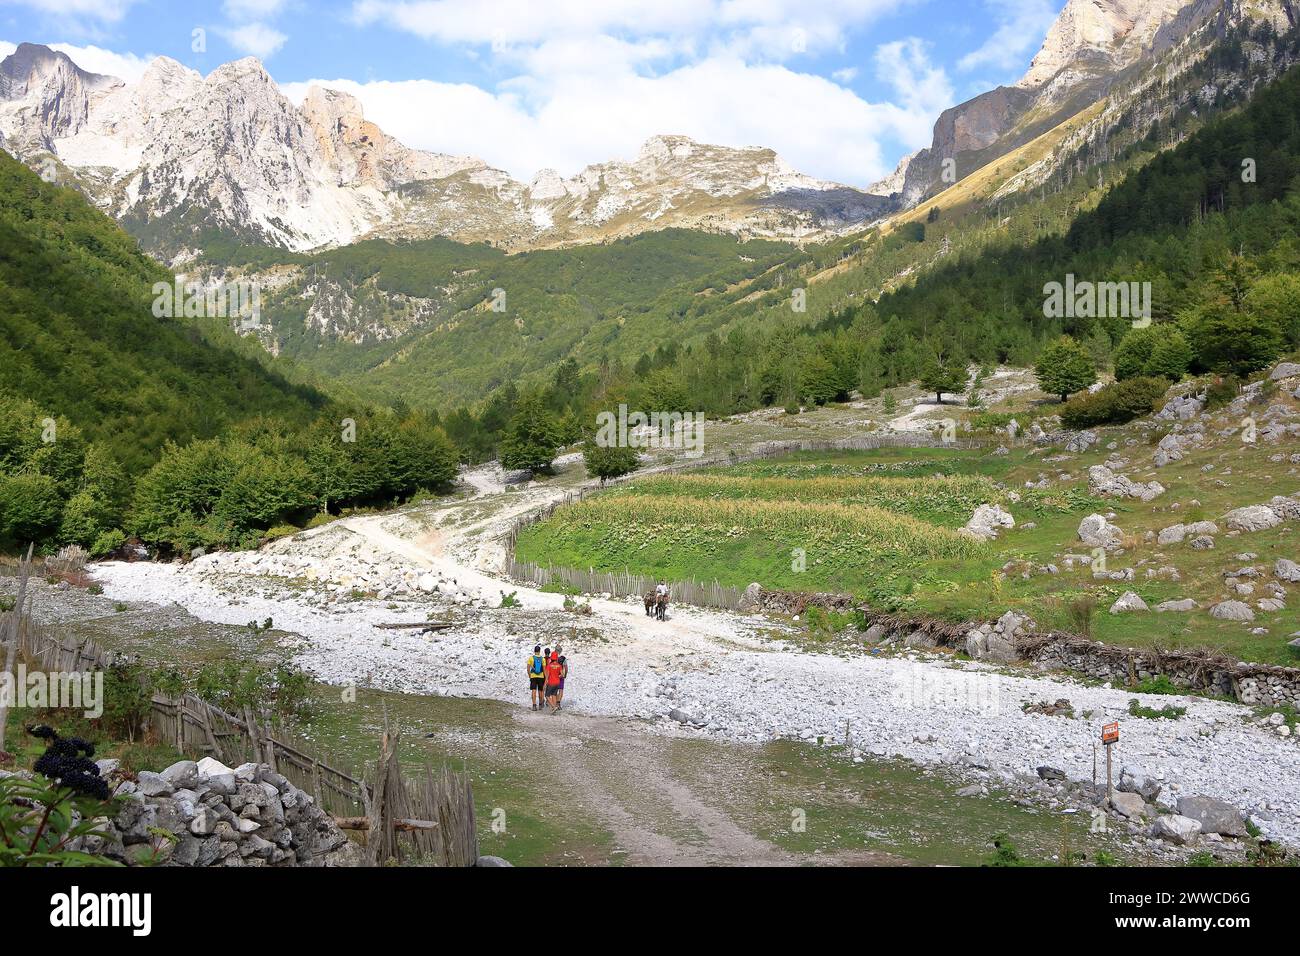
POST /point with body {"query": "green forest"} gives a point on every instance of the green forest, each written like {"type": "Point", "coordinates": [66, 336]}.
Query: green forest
{"type": "Point", "coordinates": [114, 423]}
{"type": "Point", "coordinates": [118, 424]}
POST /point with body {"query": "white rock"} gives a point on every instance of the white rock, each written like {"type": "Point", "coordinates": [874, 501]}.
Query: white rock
{"type": "Point", "coordinates": [1232, 611]}
{"type": "Point", "coordinates": [1252, 518]}
{"type": "Point", "coordinates": [1128, 601]}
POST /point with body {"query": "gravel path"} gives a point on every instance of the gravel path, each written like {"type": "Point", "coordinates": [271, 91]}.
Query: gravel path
{"type": "Point", "coordinates": [700, 672]}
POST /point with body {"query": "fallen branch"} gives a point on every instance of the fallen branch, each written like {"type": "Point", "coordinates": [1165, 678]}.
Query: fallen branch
{"type": "Point", "coordinates": [363, 823]}
{"type": "Point", "coordinates": [418, 626]}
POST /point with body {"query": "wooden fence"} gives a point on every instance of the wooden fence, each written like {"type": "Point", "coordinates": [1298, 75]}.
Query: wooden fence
{"type": "Point", "coordinates": [442, 801]}
{"type": "Point", "coordinates": [695, 593]}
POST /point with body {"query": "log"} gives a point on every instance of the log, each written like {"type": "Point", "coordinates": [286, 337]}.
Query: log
{"type": "Point", "coordinates": [363, 823]}
{"type": "Point", "coordinates": [418, 626]}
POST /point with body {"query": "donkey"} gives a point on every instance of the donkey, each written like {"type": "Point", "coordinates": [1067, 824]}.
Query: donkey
{"type": "Point", "coordinates": [649, 603]}
{"type": "Point", "coordinates": [661, 607]}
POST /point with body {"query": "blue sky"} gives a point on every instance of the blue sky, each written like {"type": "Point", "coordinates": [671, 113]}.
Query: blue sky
{"type": "Point", "coordinates": [840, 88]}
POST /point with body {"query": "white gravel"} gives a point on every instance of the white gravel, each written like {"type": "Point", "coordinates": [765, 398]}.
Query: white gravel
{"type": "Point", "coordinates": [740, 685]}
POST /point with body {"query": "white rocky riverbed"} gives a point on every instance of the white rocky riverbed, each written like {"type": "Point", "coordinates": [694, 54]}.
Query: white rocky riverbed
{"type": "Point", "coordinates": [712, 673]}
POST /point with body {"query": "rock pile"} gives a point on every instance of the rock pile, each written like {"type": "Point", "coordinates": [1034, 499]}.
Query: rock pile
{"type": "Point", "coordinates": [1104, 481]}
{"type": "Point", "coordinates": [248, 816]}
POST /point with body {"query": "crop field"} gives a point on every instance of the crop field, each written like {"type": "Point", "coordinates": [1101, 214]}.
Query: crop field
{"type": "Point", "coordinates": [944, 500]}
{"type": "Point", "coordinates": [872, 536]}
{"type": "Point", "coordinates": [882, 526]}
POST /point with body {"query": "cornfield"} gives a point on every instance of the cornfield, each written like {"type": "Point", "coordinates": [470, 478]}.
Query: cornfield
{"type": "Point", "coordinates": [951, 497]}
{"type": "Point", "coordinates": [620, 525]}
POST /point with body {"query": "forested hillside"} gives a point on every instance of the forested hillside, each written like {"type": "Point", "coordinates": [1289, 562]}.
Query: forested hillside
{"type": "Point", "coordinates": [116, 422]}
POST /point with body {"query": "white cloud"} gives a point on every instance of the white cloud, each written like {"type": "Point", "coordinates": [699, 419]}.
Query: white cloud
{"type": "Point", "coordinates": [105, 11]}
{"type": "Point", "coordinates": [846, 75]}
{"type": "Point", "coordinates": [587, 82]}
{"type": "Point", "coordinates": [93, 59]}
{"type": "Point", "coordinates": [254, 39]}
{"type": "Point", "coordinates": [923, 88]}
{"type": "Point", "coordinates": [566, 122]}
{"type": "Point", "coordinates": [775, 29]}
{"type": "Point", "coordinates": [6, 48]}
{"type": "Point", "coordinates": [1022, 24]}
{"type": "Point", "coordinates": [244, 10]}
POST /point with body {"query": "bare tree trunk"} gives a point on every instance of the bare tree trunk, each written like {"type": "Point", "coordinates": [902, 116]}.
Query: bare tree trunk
{"type": "Point", "coordinates": [9, 636]}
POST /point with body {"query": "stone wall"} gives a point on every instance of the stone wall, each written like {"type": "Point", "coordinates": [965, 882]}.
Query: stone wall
{"type": "Point", "coordinates": [248, 816]}
{"type": "Point", "coordinates": [1253, 684]}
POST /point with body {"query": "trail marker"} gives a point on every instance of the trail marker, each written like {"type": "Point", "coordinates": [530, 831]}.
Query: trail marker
{"type": "Point", "coordinates": [1109, 737]}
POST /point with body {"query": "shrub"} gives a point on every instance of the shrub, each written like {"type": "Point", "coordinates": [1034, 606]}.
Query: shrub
{"type": "Point", "coordinates": [1115, 404]}
{"type": "Point", "coordinates": [1221, 390]}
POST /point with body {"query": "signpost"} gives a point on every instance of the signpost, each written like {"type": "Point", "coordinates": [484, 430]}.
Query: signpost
{"type": "Point", "coordinates": [1109, 737]}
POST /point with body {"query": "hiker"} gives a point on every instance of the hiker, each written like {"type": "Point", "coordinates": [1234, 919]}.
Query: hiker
{"type": "Point", "coordinates": [564, 673]}
{"type": "Point", "coordinates": [554, 670]}
{"type": "Point", "coordinates": [537, 678]}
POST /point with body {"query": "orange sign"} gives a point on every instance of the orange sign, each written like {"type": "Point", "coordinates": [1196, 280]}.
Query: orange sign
{"type": "Point", "coordinates": [1110, 733]}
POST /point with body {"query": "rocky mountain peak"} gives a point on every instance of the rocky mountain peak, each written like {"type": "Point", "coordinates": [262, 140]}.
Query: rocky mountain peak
{"type": "Point", "coordinates": [33, 66]}
{"type": "Point", "coordinates": [1108, 33]}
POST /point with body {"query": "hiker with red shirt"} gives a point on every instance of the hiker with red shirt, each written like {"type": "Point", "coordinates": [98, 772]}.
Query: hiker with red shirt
{"type": "Point", "coordinates": [554, 677]}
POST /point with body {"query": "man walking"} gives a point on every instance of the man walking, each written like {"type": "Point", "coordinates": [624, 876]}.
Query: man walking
{"type": "Point", "coordinates": [537, 677]}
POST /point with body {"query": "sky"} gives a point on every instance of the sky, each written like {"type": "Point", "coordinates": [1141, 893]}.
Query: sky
{"type": "Point", "coordinates": [841, 89]}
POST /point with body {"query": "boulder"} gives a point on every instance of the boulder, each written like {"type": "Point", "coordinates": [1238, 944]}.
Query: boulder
{"type": "Point", "coordinates": [1134, 781]}
{"type": "Point", "coordinates": [1284, 370]}
{"type": "Point", "coordinates": [1169, 449]}
{"type": "Point", "coordinates": [1213, 816]}
{"type": "Point", "coordinates": [1202, 527]}
{"type": "Point", "coordinates": [1130, 805]}
{"type": "Point", "coordinates": [1096, 532]}
{"type": "Point", "coordinates": [151, 784]}
{"type": "Point", "coordinates": [1174, 534]}
{"type": "Point", "coordinates": [1186, 604]}
{"type": "Point", "coordinates": [1252, 518]}
{"type": "Point", "coordinates": [1232, 611]}
{"type": "Point", "coordinates": [492, 861]}
{"type": "Point", "coordinates": [1176, 829]}
{"type": "Point", "coordinates": [1286, 570]}
{"type": "Point", "coordinates": [183, 773]}
{"type": "Point", "coordinates": [1128, 601]}
{"type": "Point", "coordinates": [987, 521]}
{"type": "Point", "coordinates": [1202, 542]}
{"type": "Point", "coordinates": [752, 600]}
{"type": "Point", "coordinates": [210, 767]}
{"type": "Point", "coordinates": [1182, 408]}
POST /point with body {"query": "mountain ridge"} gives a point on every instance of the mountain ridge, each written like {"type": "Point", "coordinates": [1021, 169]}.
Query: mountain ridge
{"type": "Point", "coordinates": [321, 174]}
